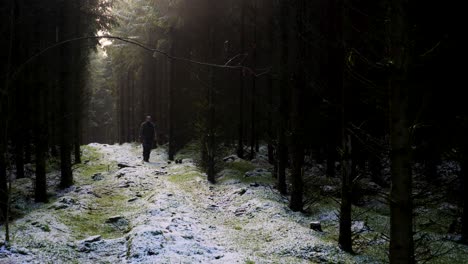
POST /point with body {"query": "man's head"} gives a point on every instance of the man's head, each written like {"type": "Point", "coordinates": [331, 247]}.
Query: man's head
{"type": "Point", "coordinates": [148, 118]}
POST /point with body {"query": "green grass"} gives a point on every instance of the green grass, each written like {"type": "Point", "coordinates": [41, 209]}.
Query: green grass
{"type": "Point", "coordinates": [185, 176]}
{"type": "Point", "coordinates": [93, 222]}
{"type": "Point", "coordinates": [92, 166]}
{"type": "Point", "coordinates": [89, 224]}
{"type": "Point", "coordinates": [237, 169]}
{"type": "Point", "coordinates": [190, 151]}
{"type": "Point", "coordinates": [241, 166]}
{"type": "Point", "coordinates": [90, 153]}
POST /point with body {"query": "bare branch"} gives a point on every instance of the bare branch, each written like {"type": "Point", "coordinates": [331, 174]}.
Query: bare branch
{"type": "Point", "coordinates": [253, 72]}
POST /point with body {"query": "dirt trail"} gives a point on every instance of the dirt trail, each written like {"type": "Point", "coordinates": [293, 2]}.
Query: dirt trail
{"type": "Point", "coordinates": [122, 210]}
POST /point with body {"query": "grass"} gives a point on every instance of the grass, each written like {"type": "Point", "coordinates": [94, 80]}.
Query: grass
{"type": "Point", "coordinates": [236, 170]}
{"type": "Point", "coordinates": [185, 176]}
{"type": "Point", "coordinates": [92, 165]}
{"type": "Point", "coordinates": [90, 153]}
{"type": "Point", "coordinates": [190, 151]}
{"type": "Point", "coordinates": [242, 166]}
{"type": "Point", "coordinates": [93, 222]}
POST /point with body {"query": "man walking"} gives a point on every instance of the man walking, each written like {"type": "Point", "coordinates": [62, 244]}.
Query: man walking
{"type": "Point", "coordinates": [147, 137]}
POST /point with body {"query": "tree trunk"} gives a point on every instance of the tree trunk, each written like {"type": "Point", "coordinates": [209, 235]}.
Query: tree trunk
{"type": "Point", "coordinates": [77, 127]}
{"type": "Point", "coordinates": [40, 132]}
{"type": "Point", "coordinates": [3, 185]}
{"type": "Point", "coordinates": [240, 139]}
{"type": "Point", "coordinates": [337, 83]}
{"type": "Point", "coordinates": [19, 134]}
{"type": "Point", "coordinates": [297, 111]}
{"type": "Point", "coordinates": [345, 237]}
{"type": "Point", "coordinates": [271, 155]}
{"type": "Point", "coordinates": [211, 115]}
{"type": "Point", "coordinates": [27, 147]}
{"type": "Point", "coordinates": [66, 179]}
{"type": "Point", "coordinates": [171, 148]}
{"type": "Point", "coordinates": [284, 98]}
{"type": "Point", "coordinates": [401, 205]}
{"type": "Point", "coordinates": [464, 178]}
{"type": "Point", "coordinates": [4, 108]}
{"type": "Point", "coordinates": [211, 131]}
{"type": "Point", "coordinates": [40, 194]}
{"type": "Point", "coordinates": [401, 213]}
{"type": "Point", "coordinates": [121, 111]}
{"type": "Point", "coordinates": [253, 92]}
{"type": "Point", "coordinates": [19, 153]}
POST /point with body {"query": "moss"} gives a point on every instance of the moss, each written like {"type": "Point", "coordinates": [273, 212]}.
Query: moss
{"type": "Point", "coordinates": [90, 153]}
{"type": "Point", "coordinates": [190, 150]}
{"type": "Point", "coordinates": [450, 253]}
{"type": "Point", "coordinates": [93, 222]}
{"type": "Point", "coordinates": [45, 228]}
{"type": "Point", "coordinates": [237, 169]}
{"type": "Point", "coordinates": [88, 169]}
{"type": "Point", "coordinates": [248, 261]}
{"type": "Point", "coordinates": [185, 176]}
{"type": "Point", "coordinates": [241, 166]}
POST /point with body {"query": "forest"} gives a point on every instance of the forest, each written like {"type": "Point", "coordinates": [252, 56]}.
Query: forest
{"type": "Point", "coordinates": [286, 131]}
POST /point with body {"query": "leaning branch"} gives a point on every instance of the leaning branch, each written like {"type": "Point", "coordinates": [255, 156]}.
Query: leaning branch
{"type": "Point", "coordinates": [254, 72]}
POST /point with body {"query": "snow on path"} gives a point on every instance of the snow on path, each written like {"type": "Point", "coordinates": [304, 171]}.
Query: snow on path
{"type": "Point", "coordinates": [165, 229]}
{"type": "Point", "coordinates": [168, 213]}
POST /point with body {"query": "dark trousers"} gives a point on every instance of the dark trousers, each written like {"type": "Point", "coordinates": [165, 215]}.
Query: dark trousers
{"type": "Point", "coordinates": [147, 145]}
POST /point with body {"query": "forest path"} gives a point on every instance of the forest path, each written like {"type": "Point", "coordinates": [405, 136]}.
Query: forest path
{"type": "Point", "coordinates": [122, 210]}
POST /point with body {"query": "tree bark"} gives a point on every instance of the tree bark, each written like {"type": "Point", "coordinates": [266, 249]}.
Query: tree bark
{"type": "Point", "coordinates": [171, 148]}
{"type": "Point", "coordinates": [297, 110]}
{"type": "Point", "coordinates": [19, 130]}
{"type": "Point", "coordinates": [464, 178]}
{"type": "Point", "coordinates": [401, 213]}
{"type": "Point", "coordinates": [66, 179]}
{"type": "Point", "coordinates": [401, 204]}
{"type": "Point", "coordinates": [77, 92]}
{"type": "Point", "coordinates": [270, 133]}
{"type": "Point", "coordinates": [284, 98]}
{"type": "Point", "coordinates": [40, 192]}
{"type": "Point", "coordinates": [19, 153]}
{"type": "Point", "coordinates": [345, 236]}
{"type": "Point", "coordinates": [271, 155]}
{"type": "Point", "coordinates": [211, 114]}
{"type": "Point", "coordinates": [3, 183]}
{"type": "Point", "coordinates": [240, 139]}
{"type": "Point", "coordinates": [40, 132]}
{"type": "Point", "coordinates": [253, 91]}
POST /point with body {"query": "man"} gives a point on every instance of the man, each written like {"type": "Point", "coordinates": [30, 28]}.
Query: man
{"type": "Point", "coordinates": [147, 137]}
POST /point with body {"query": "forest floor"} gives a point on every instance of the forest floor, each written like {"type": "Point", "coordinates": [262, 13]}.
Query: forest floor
{"type": "Point", "coordinates": [122, 210]}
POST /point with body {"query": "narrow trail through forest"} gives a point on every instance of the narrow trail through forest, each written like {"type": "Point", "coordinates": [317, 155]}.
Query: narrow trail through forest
{"type": "Point", "coordinates": [122, 210]}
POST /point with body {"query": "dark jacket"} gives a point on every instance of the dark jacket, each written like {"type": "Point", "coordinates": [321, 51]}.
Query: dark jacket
{"type": "Point", "coordinates": [147, 131]}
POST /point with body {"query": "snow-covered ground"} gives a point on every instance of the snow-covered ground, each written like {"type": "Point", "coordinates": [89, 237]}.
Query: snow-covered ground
{"type": "Point", "coordinates": [122, 210]}
{"type": "Point", "coordinates": [161, 213]}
